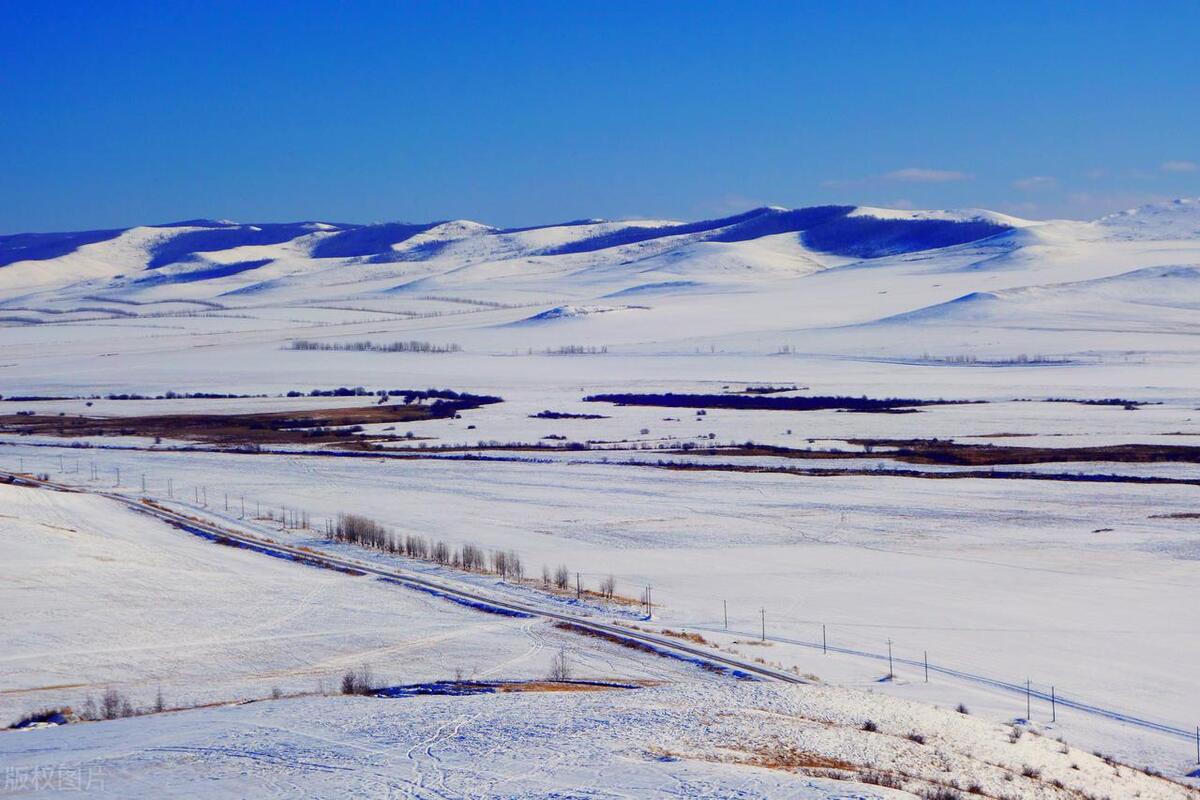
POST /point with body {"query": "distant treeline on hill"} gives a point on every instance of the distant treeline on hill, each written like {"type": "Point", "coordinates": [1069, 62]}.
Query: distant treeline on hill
{"type": "Point", "coordinates": [413, 346]}
{"type": "Point", "coordinates": [170, 395]}
{"type": "Point", "coordinates": [670, 400]}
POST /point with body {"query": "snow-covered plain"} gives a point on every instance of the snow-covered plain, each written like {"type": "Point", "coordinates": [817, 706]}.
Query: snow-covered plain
{"type": "Point", "coordinates": [1089, 587]}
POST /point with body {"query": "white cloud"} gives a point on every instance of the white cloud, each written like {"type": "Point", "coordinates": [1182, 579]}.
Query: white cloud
{"type": "Point", "coordinates": [1179, 166]}
{"type": "Point", "coordinates": [924, 175]}
{"type": "Point", "coordinates": [1035, 182]}
{"type": "Point", "coordinates": [838, 183]}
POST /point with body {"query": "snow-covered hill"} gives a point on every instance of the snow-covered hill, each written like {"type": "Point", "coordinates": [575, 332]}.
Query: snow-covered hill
{"type": "Point", "coordinates": [762, 276]}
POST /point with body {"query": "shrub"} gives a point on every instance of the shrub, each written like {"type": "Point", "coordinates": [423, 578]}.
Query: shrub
{"type": "Point", "coordinates": [919, 738]}
{"type": "Point", "coordinates": [939, 793]}
{"type": "Point", "coordinates": [359, 681]}
{"type": "Point", "coordinates": [962, 709]}
{"type": "Point", "coordinates": [870, 726]}
{"type": "Point", "coordinates": [113, 705]}
{"type": "Point", "coordinates": [884, 779]}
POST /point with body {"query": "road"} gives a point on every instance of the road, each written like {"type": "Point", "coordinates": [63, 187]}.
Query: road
{"type": "Point", "coordinates": [587, 624]}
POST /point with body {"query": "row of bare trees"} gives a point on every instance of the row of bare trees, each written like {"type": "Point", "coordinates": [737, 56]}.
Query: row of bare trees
{"type": "Point", "coordinates": [365, 532]}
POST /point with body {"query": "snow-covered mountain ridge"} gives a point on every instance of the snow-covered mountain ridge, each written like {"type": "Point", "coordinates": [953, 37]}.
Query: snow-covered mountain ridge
{"type": "Point", "coordinates": [766, 277]}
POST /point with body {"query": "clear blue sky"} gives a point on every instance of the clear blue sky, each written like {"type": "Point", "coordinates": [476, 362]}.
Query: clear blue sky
{"type": "Point", "coordinates": [120, 113]}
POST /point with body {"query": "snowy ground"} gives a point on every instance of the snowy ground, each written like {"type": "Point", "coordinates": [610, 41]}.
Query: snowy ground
{"type": "Point", "coordinates": [1086, 587]}
{"type": "Point", "coordinates": [714, 740]}
{"type": "Point", "coordinates": [99, 597]}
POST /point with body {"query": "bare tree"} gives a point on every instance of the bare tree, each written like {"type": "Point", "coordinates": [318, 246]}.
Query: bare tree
{"type": "Point", "coordinates": [545, 577]}
{"type": "Point", "coordinates": [562, 577]}
{"type": "Point", "coordinates": [608, 586]}
{"type": "Point", "coordinates": [441, 553]}
{"type": "Point", "coordinates": [560, 670]}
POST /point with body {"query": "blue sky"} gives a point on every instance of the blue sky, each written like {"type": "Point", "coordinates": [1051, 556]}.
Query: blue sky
{"type": "Point", "coordinates": [115, 113]}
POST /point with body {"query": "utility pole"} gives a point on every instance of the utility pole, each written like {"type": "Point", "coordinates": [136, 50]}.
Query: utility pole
{"type": "Point", "coordinates": [891, 671]}
{"type": "Point", "coordinates": [1053, 706]}
{"type": "Point", "coordinates": [61, 468]}
{"type": "Point", "coordinates": [118, 476]}
{"type": "Point", "coordinates": [824, 641]}
{"type": "Point", "coordinates": [1028, 699]}
{"type": "Point", "coordinates": [927, 666]}
{"type": "Point", "coordinates": [243, 507]}
{"type": "Point", "coordinates": [227, 501]}
{"type": "Point", "coordinates": [763, 613]}
{"type": "Point", "coordinates": [578, 588]}
{"type": "Point", "coordinates": [649, 603]}
{"type": "Point", "coordinates": [143, 483]}
{"type": "Point", "coordinates": [725, 604]}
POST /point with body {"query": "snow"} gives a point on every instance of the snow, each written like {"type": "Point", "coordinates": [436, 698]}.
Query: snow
{"type": "Point", "coordinates": [1088, 587]}
{"type": "Point", "coordinates": [671, 741]}
{"type": "Point", "coordinates": [1179, 219]}
{"type": "Point", "coordinates": [98, 597]}
{"type": "Point", "coordinates": [571, 312]}
{"type": "Point", "coordinates": [954, 215]}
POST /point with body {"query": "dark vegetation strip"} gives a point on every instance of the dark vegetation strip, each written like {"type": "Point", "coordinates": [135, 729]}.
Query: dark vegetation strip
{"type": "Point", "coordinates": [1129, 405]}
{"type": "Point", "coordinates": [547, 414]}
{"type": "Point", "coordinates": [408, 395]}
{"type": "Point", "coordinates": [770, 389]}
{"type": "Point", "coordinates": [481, 454]}
{"type": "Point", "coordinates": [276, 427]}
{"type": "Point", "coordinates": [945, 452]}
{"type": "Point", "coordinates": [1070, 477]}
{"type": "Point", "coordinates": [761, 402]}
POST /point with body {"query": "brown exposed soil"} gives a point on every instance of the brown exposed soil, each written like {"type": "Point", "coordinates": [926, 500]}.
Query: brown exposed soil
{"type": "Point", "coordinates": [272, 427]}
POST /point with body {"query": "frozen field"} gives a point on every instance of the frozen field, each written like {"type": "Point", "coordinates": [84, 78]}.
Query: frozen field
{"type": "Point", "coordinates": [1084, 587]}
